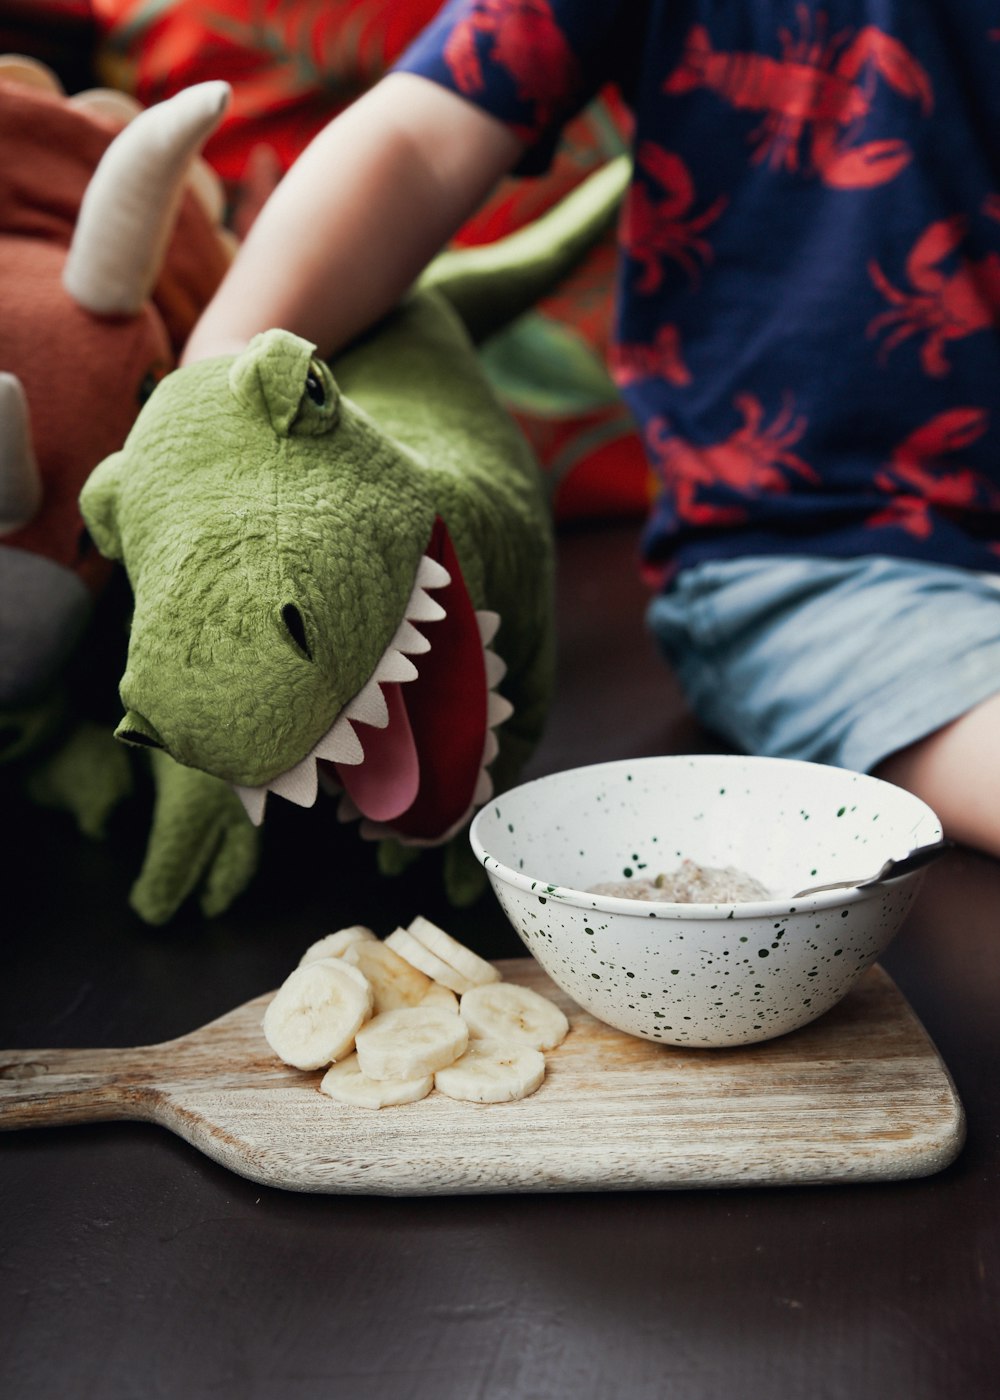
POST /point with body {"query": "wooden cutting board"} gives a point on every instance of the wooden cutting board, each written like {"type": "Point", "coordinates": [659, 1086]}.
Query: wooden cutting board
{"type": "Point", "coordinates": [860, 1095]}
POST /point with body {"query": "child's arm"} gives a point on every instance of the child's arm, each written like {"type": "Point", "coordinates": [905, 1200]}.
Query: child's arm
{"type": "Point", "coordinates": [365, 207]}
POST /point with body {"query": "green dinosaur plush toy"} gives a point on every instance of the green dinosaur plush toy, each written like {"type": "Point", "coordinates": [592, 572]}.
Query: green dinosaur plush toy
{"type": "Point", "coordinates": [342, 575]}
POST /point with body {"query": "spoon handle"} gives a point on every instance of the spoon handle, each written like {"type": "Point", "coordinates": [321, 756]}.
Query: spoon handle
{"type": "Point", "coordinates": [891, 870]}
{"type": "Point", "coordinates": [922, 856]}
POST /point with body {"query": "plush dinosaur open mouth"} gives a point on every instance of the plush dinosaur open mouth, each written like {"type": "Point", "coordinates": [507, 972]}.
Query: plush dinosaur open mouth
{"type": "Point", "coordinates": [410, 752]}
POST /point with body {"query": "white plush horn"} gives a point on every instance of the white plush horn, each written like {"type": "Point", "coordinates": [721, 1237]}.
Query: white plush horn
{"type": "Point", "coordinates": [20, 482]}
{"type": "Point", "coordinates": [128, 209]}
{"type": "Point", "coordinates": [29, 72]}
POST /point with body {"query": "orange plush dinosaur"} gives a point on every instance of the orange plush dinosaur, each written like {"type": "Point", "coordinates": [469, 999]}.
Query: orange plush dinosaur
{"type": "Point", "coordinates": [110, 244]}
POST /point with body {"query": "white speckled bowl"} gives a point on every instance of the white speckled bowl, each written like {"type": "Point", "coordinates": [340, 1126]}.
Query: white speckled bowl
{"type": "Point", "coordinates": [702, 974]}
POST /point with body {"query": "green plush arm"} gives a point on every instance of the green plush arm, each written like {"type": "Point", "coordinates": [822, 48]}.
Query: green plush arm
{"type": "Point", "coordinates": [87, 775]}
{"type": "Point", "coordinates": [200, 843]}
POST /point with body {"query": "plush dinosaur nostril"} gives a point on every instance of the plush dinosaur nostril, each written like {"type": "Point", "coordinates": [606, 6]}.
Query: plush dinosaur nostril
{"type": "Point", "coordinates": [296, 628]}
{"type": "Point", "coordinates": [142, 741]}
{"type": "Point", "coordinates": [134, 729]}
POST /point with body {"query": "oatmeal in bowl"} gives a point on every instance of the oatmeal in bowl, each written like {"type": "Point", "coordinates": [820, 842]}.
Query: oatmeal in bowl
{"type": "Point", "coordinates": [729, 956]}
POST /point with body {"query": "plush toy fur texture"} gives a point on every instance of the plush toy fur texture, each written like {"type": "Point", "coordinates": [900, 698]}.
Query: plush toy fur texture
{"type": "Point", "coordinates": [107, 256]}
{"type": "Point", "coordinates": [343, 573]}
{"type": "Point", "coordinates": [84, 375]}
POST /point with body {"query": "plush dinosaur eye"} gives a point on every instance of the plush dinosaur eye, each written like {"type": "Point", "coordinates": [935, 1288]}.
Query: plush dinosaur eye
{"type": "Point", "coordinates": [85, 546]}
{"type": "Point", "coordinates": [149, 382]}
{"type": "Point", "coordinates": [286, 385]}
{"type": "Point", "coordinates": [315, 387]}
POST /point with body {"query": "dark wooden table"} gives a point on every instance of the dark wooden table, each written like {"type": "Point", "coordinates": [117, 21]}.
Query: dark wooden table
{"type": "Point", "coordinates": [135, 1268]}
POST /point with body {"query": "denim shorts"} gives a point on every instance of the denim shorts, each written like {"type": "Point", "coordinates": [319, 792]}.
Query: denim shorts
{"type": "Point", "coordinates": [840, 661]}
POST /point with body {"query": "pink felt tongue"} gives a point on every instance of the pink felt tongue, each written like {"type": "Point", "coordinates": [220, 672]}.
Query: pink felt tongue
{"type": "Point", "coordinates": [385, 784]}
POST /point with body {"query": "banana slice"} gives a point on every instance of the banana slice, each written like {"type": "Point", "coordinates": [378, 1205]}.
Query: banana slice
{"type": "Point", "coordinates": [465, 962]}
{"type": "Point", "coordinates": [492, 1073]}
{"type": "Point", "coordinates": [410, 948]}
{"type": "Point", "coordinates": [316, 1013]}
{"type": "Point", "coordinates": [394, 981]}
{"type": "Point", "coordinates": [509, 1014]}
{"type": "Point", "coordinates": [410, 1041]}
{"type": "Point", "coordinates": [444, 997]}
{"type": "Point", "coordinates": [334, 944]}
{"type": "Point", "coordinates": [347, 1083]}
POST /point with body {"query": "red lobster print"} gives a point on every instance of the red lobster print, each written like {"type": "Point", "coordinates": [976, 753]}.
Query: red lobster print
{"type": "Point", "coordinates": [753, 459]}
{"type": "Point", "coordinates": [526, 42]}
{"type": "Point", "coordinates": [917, 482]}
{"type": "Point", "coordinates": [652, 230]}
{"type": "Point", "coordinates": [818, 86]}
{"type": "Point", "coordinates": [662, 359]}
{"type": "Point", "coordinates": [940, 305]}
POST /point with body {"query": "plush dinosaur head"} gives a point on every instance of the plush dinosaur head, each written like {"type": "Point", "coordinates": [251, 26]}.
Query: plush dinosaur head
{"type": "Point", "coordinates": [334, 567]}
{"type": "Point", "coordinates": [298, 596]}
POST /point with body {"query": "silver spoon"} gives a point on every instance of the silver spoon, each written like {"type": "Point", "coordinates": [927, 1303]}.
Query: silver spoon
{"type": "Point", "coordinates": [923, 855]}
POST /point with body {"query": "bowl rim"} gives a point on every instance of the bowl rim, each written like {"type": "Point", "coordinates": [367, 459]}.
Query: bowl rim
{"type": "Point", "coordinates": [666, 909]}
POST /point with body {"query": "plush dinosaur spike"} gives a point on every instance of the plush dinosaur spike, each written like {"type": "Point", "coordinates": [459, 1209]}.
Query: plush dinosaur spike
{"type": "Point", "coordinates": [343, 573]}
{"type": "Point", "coordinates": [489, 285]}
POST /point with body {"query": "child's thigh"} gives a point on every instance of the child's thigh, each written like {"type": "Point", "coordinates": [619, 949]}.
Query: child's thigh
{"type": "Point", "coordinates": [835, 661]}
{"type": "Point", "coordinates": [956, 771]}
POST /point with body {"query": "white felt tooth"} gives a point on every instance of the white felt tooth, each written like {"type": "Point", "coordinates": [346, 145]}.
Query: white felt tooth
{"type": "Point", "coordinates": [484, 789]}
{"type": "Point", "coordinates": [394, 666]}
{"type": "Point", "coordinates": [497, 709]}
{"type": "Point", "coordinates": [431, 574]}
{"type": "Point", "coordinates": [253, 799]}
{"type": "Point", "coordinates": [496, 668]}
{"type": "Point", "coordinates": [340, 744]}
{"type": "Point", "coordinates": [489, 625]}
{"type": "Point", "coordinates": [408, 639]}
{"type": "Point", "coordinates": [491, 747]}
{"type": "Point", "coordinates": [298, 784]}
{"type": "Point", "coordinates": [369, 706]}
{"type": "Point", "coordinates": [423, 608]}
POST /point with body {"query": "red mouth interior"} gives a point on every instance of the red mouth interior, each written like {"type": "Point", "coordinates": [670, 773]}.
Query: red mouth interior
{"type": "Point", "coordinates": [419, 773]}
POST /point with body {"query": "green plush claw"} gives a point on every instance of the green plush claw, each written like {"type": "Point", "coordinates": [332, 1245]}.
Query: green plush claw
{"type": "Point", "coordinates": [25, 729]}
{"type": "Point", "coordinates": [342, 573]}
{"type": "Point", "coordinates": [88, 776]}
{"type": "Point", "coordinates": [394, 858]}
{"type": "Point", "coordinates": [200, 843]}
{"type": "Point", "coordinates": [464, 878]}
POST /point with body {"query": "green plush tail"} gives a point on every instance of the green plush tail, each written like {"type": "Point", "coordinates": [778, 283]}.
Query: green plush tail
{"type": "Point", "coordinates": [490, 285]}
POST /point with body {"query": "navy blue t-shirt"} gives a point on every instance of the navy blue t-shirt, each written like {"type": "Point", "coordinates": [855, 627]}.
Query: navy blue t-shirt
{"type": "Point", "coordinates": [808, 320]}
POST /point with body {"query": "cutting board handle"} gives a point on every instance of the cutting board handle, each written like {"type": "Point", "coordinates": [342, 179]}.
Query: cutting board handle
{"type": "Point", "coordinates": [42, 1088]}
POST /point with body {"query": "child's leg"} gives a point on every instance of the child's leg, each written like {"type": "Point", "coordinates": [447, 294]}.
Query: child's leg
{"type": "Point", "coordinates": [956, 770]}
{"type": "Point", "coordinates": [788, 656]}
